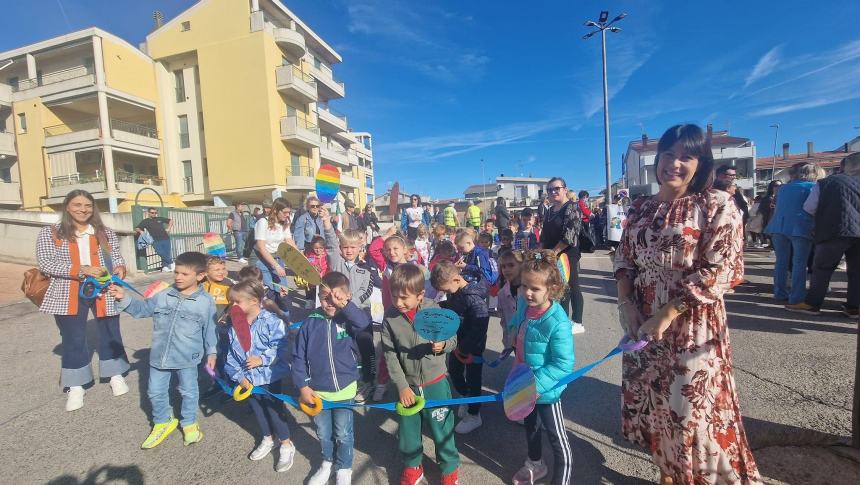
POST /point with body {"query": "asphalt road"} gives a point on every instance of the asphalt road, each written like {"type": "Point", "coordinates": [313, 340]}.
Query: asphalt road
{"type": "Point", "coordinates": [795, 375]}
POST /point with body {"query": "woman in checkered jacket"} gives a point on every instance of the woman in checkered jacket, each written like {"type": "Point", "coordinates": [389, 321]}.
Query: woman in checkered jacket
{"type": "Point", "coordinates": [68, 252]}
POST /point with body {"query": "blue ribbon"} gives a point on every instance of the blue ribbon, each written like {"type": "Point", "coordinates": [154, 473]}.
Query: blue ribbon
{"type": "Point", "coordinates": [433, 403]}
{"type": "Point", "coordinates": [91, 287]}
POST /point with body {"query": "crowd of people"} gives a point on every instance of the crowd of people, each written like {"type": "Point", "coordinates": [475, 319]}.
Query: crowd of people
{"type": "Point", "coordinates": [680, 252]}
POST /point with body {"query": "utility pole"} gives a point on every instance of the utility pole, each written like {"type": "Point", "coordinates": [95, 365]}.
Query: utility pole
{"type": "Point", "coordinates": [602, 26]}
{"type": "Point", "coordinates": [483, 184]}
{"type": "Point", "coordinates": [773, 165]}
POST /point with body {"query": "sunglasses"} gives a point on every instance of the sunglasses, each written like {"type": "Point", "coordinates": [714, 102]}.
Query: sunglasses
{"type": "Point", "coordinates": [315, 206]}
{"type": "Point", "coordinates": [553, 190]}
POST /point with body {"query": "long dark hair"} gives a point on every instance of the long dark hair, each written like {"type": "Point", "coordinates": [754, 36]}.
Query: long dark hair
{"type": "Point", "coordinates": [696, 143]}
{"type": "Point", "coordinates": [772, 186]}
{"type": "Point", "coordinates": [278, 205]}
{"type": "Point", "coordinates": [500, 202]}
{"type": "Point", "coordinates": [67, 225]}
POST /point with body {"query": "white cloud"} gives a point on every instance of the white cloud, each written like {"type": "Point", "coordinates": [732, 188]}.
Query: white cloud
{"type": "Point", "coordinates": [765, 65]}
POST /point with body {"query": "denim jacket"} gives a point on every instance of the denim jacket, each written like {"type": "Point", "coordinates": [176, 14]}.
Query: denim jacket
{"type": "Point", "coordinates": [183, 326]}
{"type": "Point", "coordinates": [269, 342]}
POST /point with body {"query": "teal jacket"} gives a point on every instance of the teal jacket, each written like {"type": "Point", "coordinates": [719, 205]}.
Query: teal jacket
{"type": "Point", "coordinates": [548, 348]}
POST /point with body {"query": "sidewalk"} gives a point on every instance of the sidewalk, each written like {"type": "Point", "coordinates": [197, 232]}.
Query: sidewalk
{"type": "Point", "coordinates": [10, 285]}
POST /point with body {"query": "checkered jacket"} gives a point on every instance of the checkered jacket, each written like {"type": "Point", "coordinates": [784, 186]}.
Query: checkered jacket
{"type": "Point", "coordinates": [59, 260]}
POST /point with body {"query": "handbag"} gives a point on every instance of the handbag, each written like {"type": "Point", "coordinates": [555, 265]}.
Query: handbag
{"type": "Point", "coordinates": [35, 285]}
{"type": "Point", "coordinates": [586, 239]}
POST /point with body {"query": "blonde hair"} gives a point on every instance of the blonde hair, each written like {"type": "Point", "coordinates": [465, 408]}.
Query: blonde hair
{"type": "Point", "coordinates": [397, 239]}
{"type": "Point", "coordinates": [464, 234]}
{"type": "Point", "coordinates": [249, 288]}
{"type": "Point", "coordinates": [443, 272]}
{"type": "Point", "coordinates": [421, 230]}
{"type": "Point", "coordinates": [213, 260]}
{"type": "Point", "coordinates": [544, 262]}
{"type": "Point", "coordinates": [351, 236]}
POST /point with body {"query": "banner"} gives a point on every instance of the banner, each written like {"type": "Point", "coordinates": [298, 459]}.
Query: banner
{"type": "Point", "coordinates": [616, 219]}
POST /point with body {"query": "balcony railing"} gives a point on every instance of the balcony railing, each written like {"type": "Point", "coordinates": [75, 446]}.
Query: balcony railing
{"type": "Point", "coordinates": [137, 178]}
{"type": "Point", "coordinates": [53, 78]}
{"type": "Point", "coordinates": [135, 128]}
{"type": "Point", "coordinates": [84, 125]}
{"type": "Point", "coordinates": [189, 184]}
{"type": "Point", "coordinates": [332, 112]}
{"type": "Point", "coordinates": [302, 170]}
{"type": "Point", "coordinates": [76, 179]}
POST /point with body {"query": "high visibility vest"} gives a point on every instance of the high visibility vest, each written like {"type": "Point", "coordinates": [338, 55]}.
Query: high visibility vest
{"type": "Point", "coordinates": [474, 216]}
{"type": "Point", "coordinates": [450, 217]}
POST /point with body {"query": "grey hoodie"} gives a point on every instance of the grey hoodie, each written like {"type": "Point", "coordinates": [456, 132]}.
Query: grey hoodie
{"type": "Point", "coordinates": [410, 360]}
{"type": "Point", "coordinates": [359, 277]}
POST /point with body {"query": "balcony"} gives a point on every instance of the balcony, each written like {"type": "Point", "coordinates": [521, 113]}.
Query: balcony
{"type": "Point", "coordinates": [132, 182]}
{"type": "Point", "coordinates": [330, 120]}
{"type": "Point", "coordinates": [77, 132]}
{"type": "Point", "coordinates": [10, 193]}
{"type": "Point", "coordinates": [5, 95]}
{"type": "Point", "coordinates": [300, 177]}
{"type": "Point", "coordinates": [329, 88]}
{"type": "Point", "coordinates": [55, 82]}
{"type": "Point", "coordinates": [290, 41]}
{"type": "Point", "coordinates": [335, 153]}
{"type": "Point", "coordinates": [299, 132]}
{"type": "Point", "coordinates": [295, 83]}
{"type": "Point", "coordinates": [349, 181]}
{"type": "Point", "coordinates": [61, 185]}
{"type": "Point", "coordinates": [134, 133]}
{"type": "Point", "coordinates": [7, 144]}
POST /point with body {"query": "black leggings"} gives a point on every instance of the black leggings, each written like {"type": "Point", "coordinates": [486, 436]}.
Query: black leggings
{"type": "Point", "coordinates": [467, 380]}
{"type": "Point", "coordinates": [267, 411]}
{"type": "Point", "coordinates": [552, 419]}
{"type": "Point", "coordinates": [364, 340]}
{"type": "Point", "coordinates": [573, 300]}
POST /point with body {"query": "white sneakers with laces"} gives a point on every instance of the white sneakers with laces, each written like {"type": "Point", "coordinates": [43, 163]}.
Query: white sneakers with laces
{"type": "Point", "coordinates": [263, 449]}
{"type": "Point", "coordinates": [321, 476]}
{"type": "Point", "coordinates": [577, 328]}
{"type": "Point", "coordinates": [118, 386]}
{"type": "Point", "coordinates": [344, 477]}
{"type": "Point", "coordinates": [531, 472]}
{"type": "Point", "coordinates": [285, 457]}
{"type": "Point", "coordinates": [75, 400]}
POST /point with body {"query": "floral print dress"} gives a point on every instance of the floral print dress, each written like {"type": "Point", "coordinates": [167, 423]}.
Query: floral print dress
{"type": "Point", "coordinates": [679, 398]}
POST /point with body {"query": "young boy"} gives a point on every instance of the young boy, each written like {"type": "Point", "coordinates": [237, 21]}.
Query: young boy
{"type": "Point", "coordinates": [506, 241]}
{"type": "Point", "coordinates": [465, 364]}
{"type": "Point", "coordinates": [217, 285]}
{"type": "Point", "coordinates": [526, 238]}
{"type": "Point", "coordinates": [324, 365]}
{"type": "Point", "coordinates": [474, 262]}
{"type": "Point", "coordinates": [343, 257]}
{"type": "Point", "coordinates": [418, 366]}
{"type": "Point", "coordinates": [184, 310]}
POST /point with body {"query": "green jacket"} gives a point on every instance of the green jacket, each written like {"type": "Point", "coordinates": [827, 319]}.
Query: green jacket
{"type": "Point", "coordinates": [410, 361]}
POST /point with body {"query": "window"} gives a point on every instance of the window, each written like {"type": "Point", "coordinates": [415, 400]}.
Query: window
{"type": "Point", "coordinates": [184, 141]}
{"type": "Point", "coordinates": [6, 175]}
{"type": "Point", "coordinates": [179, 81]}
{"type": "Point", "coordinates": [90, 65]}
{"type": "Point", "coordinates": [366, 142]}
{"type": "Point", "coordinates": [317, 62]}
{"type": "Point", "coordinates": [186, 26]}
{"type": "Point", "coordinates": [368, 181]}
{"type": "Point", "coordinates": [22, 122]}
{"type": "Point", "coordinates": [187, 176]}
{"type": "Point", "coordinates": [13, 81]}
{"type": "Point", "coordinates": [370, 198]}
{"type": "Point", "coordinates": [295, 164]}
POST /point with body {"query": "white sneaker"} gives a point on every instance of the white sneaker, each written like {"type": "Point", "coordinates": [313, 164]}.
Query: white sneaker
{"type": "Point", "coordinates": [166, 269]}
{"type": "Point", "coordinates": [243, 260]}
{"type": "Point", "coordinates": [462, 410]}
{"type": "Point", "coordinates": [263, 449]}
{"type": "Point", "coordinates": [469, 423]}
{"type": "Point", "coordinates": [285, 457]}
{"type": "Point", "coordinates": [577, 328]}
{"type": "Point", "coordinates": [379, 392]}
{"type": "Point", "coordinates": [320, 477]}
{"type": "Point", "coordinates": [75, 400]}
{"type": "Point", "coordinates": [531, 472]}
{"type": "Point", "coordinates": [344, 476]}
{"type": "Point", "coordinates": [118, 385]}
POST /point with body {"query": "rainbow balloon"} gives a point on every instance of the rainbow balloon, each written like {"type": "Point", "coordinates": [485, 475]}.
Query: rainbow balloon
{"type": "Point", "coordinates": [328, 183]}
{"type": "Point", "coordinates": [154, 288]}
{"type": "Point", "coordinates": [520, 393]}
{"type": "Point", "coordinates": [214, 245]}
{"type": "Point", "coordinates": [564, 267]}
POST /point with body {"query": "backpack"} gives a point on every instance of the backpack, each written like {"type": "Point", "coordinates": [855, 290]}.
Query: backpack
{"type": "Point", "coordinates": [493, 277]}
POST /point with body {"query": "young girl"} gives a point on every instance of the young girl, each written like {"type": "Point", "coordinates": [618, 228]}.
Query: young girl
{"type": "Point", "coordinates": [445, 251]}
{"type": "Point", "coordinates": [316, 255]}
{"type": "Point", "coordinates": [422, 244]}
{"type": "Point", "coordinates": [543, 340]}
{"type": "Point", "coordinates": [258, 356]}
{"type": "Point", "coordinates": [510, 263]}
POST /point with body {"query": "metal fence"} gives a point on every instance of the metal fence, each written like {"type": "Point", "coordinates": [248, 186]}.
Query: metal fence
{"type": "Point", "coordinates": [189, 225]}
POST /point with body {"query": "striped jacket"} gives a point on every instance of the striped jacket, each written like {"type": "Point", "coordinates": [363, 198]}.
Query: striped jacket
{"type": "Point", "coordinates": [60, 261]}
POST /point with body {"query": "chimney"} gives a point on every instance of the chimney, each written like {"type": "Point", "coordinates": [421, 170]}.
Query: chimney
{"type": "Point", "coordinates": [644, 140]}
{"type": "Point", "coordinates": [785, 151]}
{"type": "Point", "coordinates": [159, 18]}
{"type": "Point", "coordinates": [710, 131]}
{"type": "Point", "coordinates": [809, 149]}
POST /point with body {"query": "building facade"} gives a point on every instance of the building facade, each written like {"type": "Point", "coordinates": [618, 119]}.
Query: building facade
{"type": "Point", "coordinates": [230, 100]}
{"type": "Point", "coordinates": [770, 168]}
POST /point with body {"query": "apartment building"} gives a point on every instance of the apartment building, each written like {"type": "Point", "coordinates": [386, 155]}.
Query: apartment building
{"type": "Point", "coordinates": [78, 111]}
{"type": "Point", "coordinates": [778, 168]}
{"type": "Point", "coordinates": [230, 100]}
{"type": "Point", "coordinates": [639, 163]}
{"type": "Point", "coordinates": [247, 89]}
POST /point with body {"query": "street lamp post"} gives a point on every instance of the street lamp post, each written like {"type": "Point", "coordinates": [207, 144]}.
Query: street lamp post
{"type": "Point", "coordinates": [483, 185]}
{"type": "Point", "coordinates": [602, 26]}
{"type": "Point", "coordinates": [773, 165]}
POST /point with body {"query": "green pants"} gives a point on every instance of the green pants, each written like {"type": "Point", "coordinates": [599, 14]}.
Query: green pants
{"type": "Point", "coordinates": [440, 423]}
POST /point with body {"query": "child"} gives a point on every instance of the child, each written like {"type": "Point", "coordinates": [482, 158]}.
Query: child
{"type": "Point", "coordinates": [325, 365]}
{"type": "Point", "coordinates": [187, 310]}
{"type": "Point", "coordinates": [316, 255]}
{"type": "Point", "coordinates": [417, 365]}
{"type": "Point", "coordinates": [506, 241]}
{"type": "Point", "coordinates": [465, 364]}
{"type": "Point", "coordinates": [272, 301]}
{"type": "Point", "coordinates": [217, 285]}
{"type": "Point", "coordinates": [439, 234]}
{"type": "Point", "coordinates": [485, 240]}
{"type": "Point", "coordinates": [422, 244]}
{"type": "Point", "coordinates": [394, 251]}
{"type": "Point", "coordinates": [526, 238]}
{"type": "Point", "coordinates": [543, 341]}
{"type": "Point", "coordinates": [257, 357]}
{"type": "Point", "coordinates": [474, 262]}
{"type": "Point", "coordinates": [510, 263]}
{"type": "Point", "coordinates": [343, 253]}
{"type": "Point", "coordinates": [445, 251]}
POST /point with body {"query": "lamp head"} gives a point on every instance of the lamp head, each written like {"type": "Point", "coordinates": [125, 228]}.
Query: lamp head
{"type": "Point", "coordinates": [604, 15]}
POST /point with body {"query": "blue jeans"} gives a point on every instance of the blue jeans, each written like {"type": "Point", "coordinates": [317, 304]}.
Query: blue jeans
{"type": "Point", "coordinates": [240, 237]}
{"type": "Point", "coordinates": [158, 392]}
{"type": "Point", "coordinates": [797, 250]}
{"type": "Point", "coordinates": [334, 430]}
{"type": "Point", "coordinates": [162, 248]}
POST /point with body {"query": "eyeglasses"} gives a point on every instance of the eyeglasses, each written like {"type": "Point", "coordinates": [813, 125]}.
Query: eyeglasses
{"type": "Point", "coordinates": [314, 206]}
{"type": "Point", "coordinates": [731, 175]}
{"type": "Point", "coordinates": [553, 190]}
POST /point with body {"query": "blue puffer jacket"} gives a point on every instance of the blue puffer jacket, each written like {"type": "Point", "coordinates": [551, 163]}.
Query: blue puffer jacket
{"type": "Point", "coordinates": [268, 341]}
{"type": "Point", "coordinates": [548, 348]}
{"type": "Point", "coordinates": [326, 356]}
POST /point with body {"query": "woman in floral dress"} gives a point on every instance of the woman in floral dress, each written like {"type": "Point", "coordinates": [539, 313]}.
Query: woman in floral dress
{"type": "Point", "coordinates": [679, 253]}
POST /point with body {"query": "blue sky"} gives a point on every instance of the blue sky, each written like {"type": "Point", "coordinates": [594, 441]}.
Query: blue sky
{"type": "Point", "coordinates": [444, 84]}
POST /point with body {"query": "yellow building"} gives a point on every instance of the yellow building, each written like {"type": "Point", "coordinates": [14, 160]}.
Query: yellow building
{"type": "Point", "coordinates": [229, 100]}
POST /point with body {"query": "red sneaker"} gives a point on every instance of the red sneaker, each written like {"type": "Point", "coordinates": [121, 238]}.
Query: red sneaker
{"type": "Point", "coordinates": [451, 478]}
{"type": "Point", "coordinates": [412, 475]}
